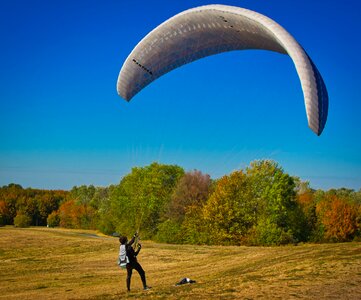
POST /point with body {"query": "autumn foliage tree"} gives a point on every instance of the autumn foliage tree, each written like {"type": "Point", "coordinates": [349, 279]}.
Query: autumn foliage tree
{"type": "Point", "coordinates": [9, 196]}
{"type": "Point", "coordinates": [307, 204]}
{"type": "Point", "coordinates": [192, 189]}
{"type": "Point", "coordinates": [231, 210]}
{"type": "Point", "coordinates": [260, 205]}
{"type": "Point", "coordinates": [84, 208]}
{"type": "Point", "coordinates": [34, 203]}
{"type": "Point", "coordinates": [3, 212]}
{"type": "Point", "coordinates": [339, 218]}
{"type": "Point", "coordinates": [257, 206]}
{"type": "Point", "coordinates": [191, 192]}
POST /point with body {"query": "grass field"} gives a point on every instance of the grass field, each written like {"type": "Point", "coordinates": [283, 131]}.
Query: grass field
{"type": "Point", "coordinates": [45, 263]}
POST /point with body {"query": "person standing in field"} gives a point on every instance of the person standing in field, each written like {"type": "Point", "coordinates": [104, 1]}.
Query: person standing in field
{"type": "Point", "coordinates": [132, 262]}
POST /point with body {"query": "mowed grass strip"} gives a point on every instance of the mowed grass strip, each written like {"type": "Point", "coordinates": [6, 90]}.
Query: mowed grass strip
{"type": "Point", "coordinates": [45, 263]}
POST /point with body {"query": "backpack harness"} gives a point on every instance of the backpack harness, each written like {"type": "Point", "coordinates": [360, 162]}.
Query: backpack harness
{"type": "Point", "coordinates": [123, 259]}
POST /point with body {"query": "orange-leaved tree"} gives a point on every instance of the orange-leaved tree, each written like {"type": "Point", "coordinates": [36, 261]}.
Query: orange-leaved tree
{"type": "Point", "coordinates": [338, 217]}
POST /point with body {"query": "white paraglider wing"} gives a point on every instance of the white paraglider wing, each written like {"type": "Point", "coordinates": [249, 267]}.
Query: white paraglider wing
{"type": "Point", "coordinates": [212, 29]}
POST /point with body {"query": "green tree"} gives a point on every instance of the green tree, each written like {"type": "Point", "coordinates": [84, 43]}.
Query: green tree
{"type": "Point", "coordinates": [230, 211]}
{"type": "Point", "coordinates": [22, 220]}
{"type": "Point", "coordinates": [169, 231]}
{"type": "Point", "coordinates": [27, 203]}
{"type": "Point", "coordinates": [194, 228]}
{"type": "Point", "coordinates": [48, 202]}
{"type": "Point", "coordinates": [83, 194]}
{"type": "Point", "coordinates": [102, 201]}
{"type": "Point", "coordinates": [53, 219]}
{"type": "Point", "coordinates": [280, 220]}
{"type": "Point", "coordinates": [141, 198]}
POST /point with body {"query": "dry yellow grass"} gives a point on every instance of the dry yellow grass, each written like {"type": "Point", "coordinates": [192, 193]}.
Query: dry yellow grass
{"type": "Point", "coordinates": [44, 263]}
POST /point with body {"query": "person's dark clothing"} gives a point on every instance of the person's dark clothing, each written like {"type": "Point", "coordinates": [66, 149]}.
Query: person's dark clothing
{"type": "Point", "coordinates": [132, 255]}
{"type": "Point", "coordinates": [139, 269]}
{"type": "Point", "coordinates": [133, 264]}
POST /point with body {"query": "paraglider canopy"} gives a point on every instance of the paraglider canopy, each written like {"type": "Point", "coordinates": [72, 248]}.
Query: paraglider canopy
{"type": "Point", "coordinates": [212, 29]}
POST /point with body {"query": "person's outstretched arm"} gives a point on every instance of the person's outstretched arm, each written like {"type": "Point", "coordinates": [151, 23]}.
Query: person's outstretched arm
{"type": "Point", "coordinates": [132, 240]}
{"type": "Point", "coordinates": [138, 250]}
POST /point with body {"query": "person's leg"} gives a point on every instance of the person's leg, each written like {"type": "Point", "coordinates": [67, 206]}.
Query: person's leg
{"type": "Point", "coordinates": [141, 272]}
{"type": "Point", "coordinates": [129, 275]}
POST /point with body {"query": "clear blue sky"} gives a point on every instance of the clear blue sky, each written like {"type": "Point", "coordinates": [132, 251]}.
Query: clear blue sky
{"type": "Point", "coordinates": [63, 124]}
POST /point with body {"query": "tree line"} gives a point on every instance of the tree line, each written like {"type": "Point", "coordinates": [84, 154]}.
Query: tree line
{"type": "Point", "coordinates": [260, 205]}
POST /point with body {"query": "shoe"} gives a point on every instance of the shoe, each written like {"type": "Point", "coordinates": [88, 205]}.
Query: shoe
{"type": "Point", "coordinates": [147, 288]}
